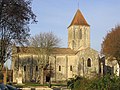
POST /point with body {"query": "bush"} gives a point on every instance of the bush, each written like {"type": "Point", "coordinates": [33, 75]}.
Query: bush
{"type": "Point", "coordinates": [107, 82]}
{"type": "Point", "coordinates": [77, 83]}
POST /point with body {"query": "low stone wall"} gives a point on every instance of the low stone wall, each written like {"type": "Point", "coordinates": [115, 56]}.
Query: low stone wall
{"type": "Point", "coordinates": [35, 89]}
{"type": "Point", "coordinates": [43, 88]}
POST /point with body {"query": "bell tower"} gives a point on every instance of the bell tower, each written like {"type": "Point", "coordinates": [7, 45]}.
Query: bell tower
{"type": "Point", "coordinates": [78, 32]}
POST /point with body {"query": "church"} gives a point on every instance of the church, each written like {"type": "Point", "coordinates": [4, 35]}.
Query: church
{"type": "Point", "coordinates": [77, 59]}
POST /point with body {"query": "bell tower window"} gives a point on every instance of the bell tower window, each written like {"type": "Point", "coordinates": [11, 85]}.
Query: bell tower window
{"type": "Point", "coordinates": [73, 44]}
{"type": "Point", "coordinates": [80, 34]}
{"type": "Point", "coordinates": [73, 33]}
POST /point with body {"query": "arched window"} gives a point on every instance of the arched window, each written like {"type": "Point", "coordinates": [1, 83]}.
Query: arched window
{"type": "Point", "coordinates": [73, 44]}
{"type": "Point", "coordinates": [70, 67]}
{"type": "Point", "coordinates": [59, 68]}
{"type": "Point", "coordinates": [89, 62]}
{"type": "Point", "coordinates": [36, 68]}
{"type": "Point", "coordinates": [80, 34]}
{"type": "Point", "coordinates": [24, 68]}
{"type": "Point", "coordinates": [73, 33]}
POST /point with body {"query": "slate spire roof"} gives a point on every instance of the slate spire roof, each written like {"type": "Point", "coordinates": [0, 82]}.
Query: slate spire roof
{"type": "Point", "coordinates": [79, 19]}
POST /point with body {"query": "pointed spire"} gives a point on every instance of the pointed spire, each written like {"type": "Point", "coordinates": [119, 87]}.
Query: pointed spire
{"type": "Point", "coordinates": [79, 19]}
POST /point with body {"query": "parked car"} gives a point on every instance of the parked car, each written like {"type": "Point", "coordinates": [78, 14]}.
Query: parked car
{"type": "Point", "coordinates": [7, 87]}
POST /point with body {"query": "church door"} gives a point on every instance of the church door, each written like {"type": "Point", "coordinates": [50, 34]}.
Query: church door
{"type": "Point", "coordinates": [47, 78]}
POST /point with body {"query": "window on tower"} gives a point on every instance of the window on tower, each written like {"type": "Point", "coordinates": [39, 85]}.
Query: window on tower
{"type": "Point", "coordinates": [74, 34]}
{"type": "Point", "coordinates": [73, 44]}
{"type": "Point", "coordinates": [80, 34]}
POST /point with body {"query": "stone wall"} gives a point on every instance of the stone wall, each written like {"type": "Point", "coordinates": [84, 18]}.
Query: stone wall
{"type": "Point", "coordinates": [62, 67]}
{"type": "Point", "coordinates": [78, 37]}
{"type": "Point", "coordinates": [86, 70]}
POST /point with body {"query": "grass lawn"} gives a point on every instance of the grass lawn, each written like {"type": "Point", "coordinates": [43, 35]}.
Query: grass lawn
{"type": "Point", "coordinates": [35, 85]}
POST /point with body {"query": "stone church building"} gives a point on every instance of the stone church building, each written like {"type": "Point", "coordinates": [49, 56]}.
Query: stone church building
{"type": "Point", "coordinates": [77, 59]}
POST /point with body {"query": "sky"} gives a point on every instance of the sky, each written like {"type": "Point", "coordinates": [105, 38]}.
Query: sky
{"type": "Point", "coordinates": [56, 15]}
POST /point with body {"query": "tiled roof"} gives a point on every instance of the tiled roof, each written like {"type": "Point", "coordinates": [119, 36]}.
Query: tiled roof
{"type": "Point", "coordinates": [79, 19]}
{"type": "Point", "coordinates": [32, 50]}
{"type": "Point", "coordinates": [63, 51]}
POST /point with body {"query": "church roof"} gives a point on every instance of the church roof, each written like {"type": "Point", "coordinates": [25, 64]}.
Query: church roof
{"type": "Point", "coordinates": [79, 19]}
{"type": "Point", "coordinates": [63, 51]}
{"type": "Point", "coordinates": [32, 50]}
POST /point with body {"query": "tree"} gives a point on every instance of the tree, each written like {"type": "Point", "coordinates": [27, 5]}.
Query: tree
{"type": "Point", "coordinates": [15, 15]}
{"type": "Point", "coordinates": [78, 83]}
{"type": "Point", "coordinates": [43, 44]}
{"type": "Point", "coordinates": [111, 45]}
{"type": "Point", "coordinates": [107, 82]}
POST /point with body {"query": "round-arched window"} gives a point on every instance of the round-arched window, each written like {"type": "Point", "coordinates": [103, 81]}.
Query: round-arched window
{"type": "Point", "coordinates": [89, 62]}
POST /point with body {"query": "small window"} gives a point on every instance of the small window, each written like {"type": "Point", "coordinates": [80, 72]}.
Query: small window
{"type": "Point", "coordinates": [18, 49]}
{"type": "Point", "coordinates": [24, 68]}
{"type": "Point", "coordinates": [80, 34]}
{"type": "Point", "coordinates": [73, 34]}
{"type": "Point", "coordinates": [73, 44]}
{"type": "Point", "coordinates": [36, 68]}
{"type": "Point", "coordinates": [71, 68]}
{"type": "Point", "coordinates": [89, 62]}
{"type": "Point", "coordinates": [59, 68]}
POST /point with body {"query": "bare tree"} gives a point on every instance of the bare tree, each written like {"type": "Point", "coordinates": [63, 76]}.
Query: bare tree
{"type": "Point", "coordinates": [43, 44]}
{"type": "Point", "coordinates": [111, 45]}
{"type": "Point", "coordinates": [15, 16]}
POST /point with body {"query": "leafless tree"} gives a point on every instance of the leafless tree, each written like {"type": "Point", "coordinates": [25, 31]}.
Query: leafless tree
{"type": "Point", "coordinates": [43, 44]}
{"type": "Point", "coordinates": [111, 45]}
{"type": "Point", "coordinates": [15, 15]}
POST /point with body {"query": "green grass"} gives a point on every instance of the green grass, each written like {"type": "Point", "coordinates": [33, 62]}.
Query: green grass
{"type": "Point", "coordinates": [35, 85]}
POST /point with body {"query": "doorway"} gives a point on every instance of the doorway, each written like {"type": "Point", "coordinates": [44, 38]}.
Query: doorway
{"type": "Point", "coordinates": [47, 78]}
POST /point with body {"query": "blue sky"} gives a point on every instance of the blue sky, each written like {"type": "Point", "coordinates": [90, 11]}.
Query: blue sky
{"type": "Point", "coordinates": [56, 16]}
